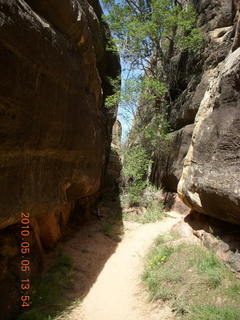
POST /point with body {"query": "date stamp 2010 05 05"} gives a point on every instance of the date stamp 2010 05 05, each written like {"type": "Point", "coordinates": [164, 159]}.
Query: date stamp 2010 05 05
{"type": "Point", "coordinates": [25, 259]}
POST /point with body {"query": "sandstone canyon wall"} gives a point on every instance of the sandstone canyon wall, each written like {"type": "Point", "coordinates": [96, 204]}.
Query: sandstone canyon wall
{"type": "Point", "coordinates": [55, 133]}
{"type": "Point", "coordinates": [203, 161]}
{"type": "Point", "coordinates": [113, 177]}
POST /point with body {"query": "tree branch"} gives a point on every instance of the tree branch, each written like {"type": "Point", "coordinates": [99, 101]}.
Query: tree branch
{"type": "Point", "coordinates": [132, 4]}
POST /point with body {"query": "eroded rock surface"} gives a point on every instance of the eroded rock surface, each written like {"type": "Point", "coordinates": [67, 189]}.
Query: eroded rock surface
{"type": "Point", "coordinates": [167, 166]}
{"type": "Point", "coordinates": [211, 177]}
{"type": "Point", "coordinates": [55, 133]}
{"type": "Point", "coordinates": [205, 94]}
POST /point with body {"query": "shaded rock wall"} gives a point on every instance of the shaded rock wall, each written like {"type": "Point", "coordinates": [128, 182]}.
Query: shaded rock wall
{"type": "Point", "coordinates": [113, 171]}
{"type": "Point", "coordinates": [117, 135]}
{"type": "Point", "coordinates": [167, 166]}
{"type": "Point", "coordinates": [55, 133]}
{"type": "Point", "coordinates": [54, 130]}
{"type": "Point", "coordinates": [205, 94]}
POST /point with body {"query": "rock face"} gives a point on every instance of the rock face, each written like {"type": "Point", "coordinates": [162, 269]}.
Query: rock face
{"type": "Point", "coordinates": [53, 125]}
{"type": "Point", "coordinates": [114, 167]}
{"type": "Point", "coordinates": [210, 181]}
{"type": "Point", "coordinates": [172, 159]}
{"type": "Point", "coordinates": [55, 133]}
{"type": "Point", "coordinates": [205, 94]}
{"type": "Point", "coordinates": [117, 135]}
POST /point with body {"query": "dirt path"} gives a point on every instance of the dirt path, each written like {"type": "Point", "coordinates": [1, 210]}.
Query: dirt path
{"type": "Point", "coordinates": [117, 293]}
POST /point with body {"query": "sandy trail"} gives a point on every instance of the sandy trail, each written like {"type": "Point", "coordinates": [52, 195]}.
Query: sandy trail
{"type": "Point", "coordinates": [117, 293]}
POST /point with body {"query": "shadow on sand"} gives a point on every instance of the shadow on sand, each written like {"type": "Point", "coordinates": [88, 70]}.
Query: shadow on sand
{"type": "Point", "coordinates": [88, 244]}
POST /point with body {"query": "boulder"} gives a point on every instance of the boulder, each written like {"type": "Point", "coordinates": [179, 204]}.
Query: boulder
{"type": "Point", "coordinates": [210, 182]}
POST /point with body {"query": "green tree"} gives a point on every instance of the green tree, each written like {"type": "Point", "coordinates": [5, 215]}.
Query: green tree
{"type": "Point", "coordinates": [135, 166]}
{"type": "Point", "coordinates": [147, 34]}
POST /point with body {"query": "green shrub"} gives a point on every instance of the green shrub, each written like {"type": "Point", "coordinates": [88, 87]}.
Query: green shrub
{"type": "Point", "coordinates": [135, 165]}
{"type": "Point", "coordinates": [153, 213]}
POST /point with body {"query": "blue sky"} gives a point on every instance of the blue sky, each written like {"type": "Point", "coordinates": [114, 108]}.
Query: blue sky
{"type": "Point", "coordinates": [126, 125]}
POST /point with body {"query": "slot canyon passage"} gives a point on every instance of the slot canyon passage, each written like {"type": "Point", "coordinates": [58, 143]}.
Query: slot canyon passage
{"type": "Point", "coordinates": [120, 160]}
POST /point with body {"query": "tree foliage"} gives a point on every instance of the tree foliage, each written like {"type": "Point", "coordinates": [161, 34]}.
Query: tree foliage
{"type": "Point", "coordinates": [135, 167]}
{"type": "Point", "coordinates": [147, 32]}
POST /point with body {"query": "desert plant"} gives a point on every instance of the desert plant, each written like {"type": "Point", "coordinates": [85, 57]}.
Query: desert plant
{"type": "Point", "coordinates": [181, 274]}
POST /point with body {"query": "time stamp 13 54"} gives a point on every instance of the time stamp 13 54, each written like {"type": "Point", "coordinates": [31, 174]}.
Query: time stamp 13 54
{"type": "Point", "coordinates": [25, 267]}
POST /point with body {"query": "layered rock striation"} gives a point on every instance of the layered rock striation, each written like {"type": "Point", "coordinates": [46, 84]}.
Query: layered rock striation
{"type": "Point", "coordinates": [55, 133]}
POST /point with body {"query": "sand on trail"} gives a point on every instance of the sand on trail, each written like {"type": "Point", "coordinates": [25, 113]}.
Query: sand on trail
{"type": "Point", "coordinates": [118, 293]}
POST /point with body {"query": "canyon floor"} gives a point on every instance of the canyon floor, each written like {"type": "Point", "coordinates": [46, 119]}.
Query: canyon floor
{"type": "Point", "coordinates": [107, 272]}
